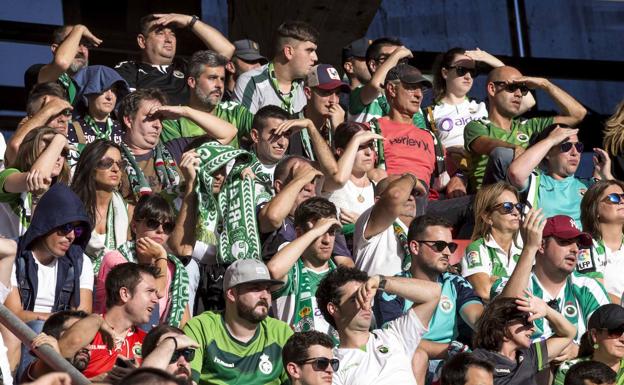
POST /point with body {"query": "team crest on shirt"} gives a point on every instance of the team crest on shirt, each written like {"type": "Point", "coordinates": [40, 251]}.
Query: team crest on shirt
{"type": "Point", "coordinates": [473, 259]}
{"type": "Point", "coordinates": [265, 365]}
{"type": "Point", "coordinates": [383, 349]}
{"type": "Point", "coordinates": [178, 74]}
{"type": "Point", "coordinates": [136, 349]}
{"type": "Point", "coordinates": [446, 305]}
{"type": "Point", "coordinates": [569, 310]}
{"type": "Point", "coordinates": [522, 137]}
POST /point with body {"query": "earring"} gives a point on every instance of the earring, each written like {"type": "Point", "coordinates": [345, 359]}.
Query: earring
{"type": "Point", "coordinates": [595, 346]}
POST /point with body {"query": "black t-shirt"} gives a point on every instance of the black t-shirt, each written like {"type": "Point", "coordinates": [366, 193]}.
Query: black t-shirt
{"type": "Point", "coordinates": [169, 79]}
{"type": "Point", "coordinates": [117, 132]}
{"type": "Point", "coordinates": [527, 370]}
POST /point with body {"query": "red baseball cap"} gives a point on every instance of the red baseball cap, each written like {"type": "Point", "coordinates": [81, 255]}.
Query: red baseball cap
{"type": "Point", "coordinates": [564, 227]}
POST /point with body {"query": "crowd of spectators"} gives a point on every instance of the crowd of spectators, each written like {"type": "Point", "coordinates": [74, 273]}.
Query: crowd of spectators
{"type": "Point", "coordinates": [234, 219]}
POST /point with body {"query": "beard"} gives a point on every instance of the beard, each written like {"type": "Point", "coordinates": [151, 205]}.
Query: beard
{"type": "Point", "coordinates": [248, 313]}
{"type": "Point", "coordinates": [78, 63]}
{"type": "Point", "coordinates": [81, 360]}
{"type": "Point", "coordinates": [207, 99]}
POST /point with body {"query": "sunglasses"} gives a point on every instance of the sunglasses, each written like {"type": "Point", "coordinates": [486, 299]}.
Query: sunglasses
{"type": "Point", "coordinates": [461, 71]}
{"type": "Point", "coordinates": [69, 227]}
{"type": "Point", "coordinates": [567, 146]}
{"type": "Point", "coordinates": [107, 163]}
{"type": "Point", "coordinates": [187, 353]}
{"type": "Point", "coordinates": [553, 304]}
{"type": "Point", "coordinates": [153, 224]}
{"type": "Point", "coordinates": [508, 207]}
{"type": "Point", "coordinates": [615, 333]}
{"type": "Point", "coordinates": [614, 198]}
{"type": "Point", "coordinates": [439, 246]}
{"type": "Point", "coordinates": [524, 320]}
{"type": "Point", "coordinates": [66, 112]}
{"type": "Point", "coordinates": [321, 363]}
{"type": "Point", "coordinates": [513, 87]}
{"type": "Point", "coordinates": [364, 146]}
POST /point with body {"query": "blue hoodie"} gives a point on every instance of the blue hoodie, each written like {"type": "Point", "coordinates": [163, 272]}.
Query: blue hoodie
{"type": "Point", "coordinates": [58, 206]}
{"type": "Point", "coordinates": [96, 79]}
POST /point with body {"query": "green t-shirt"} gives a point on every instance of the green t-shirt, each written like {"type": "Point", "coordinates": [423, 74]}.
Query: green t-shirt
{"type": "Point", "coordinates": [231, 112]}
{"type": "Point", "coordinates": [566, 365]}
{"type": "Point", "coordinates": [521, 132]}
{"type": "Point", "coordinates": [16, 208]}
{"type": "Point", "coordinates": [378, 108]}
{"type": "Point", "coordinates": [221, 359]}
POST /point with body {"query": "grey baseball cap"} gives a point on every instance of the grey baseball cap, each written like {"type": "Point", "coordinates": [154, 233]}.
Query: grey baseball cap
{"type": "Point", "coordinates": [248, 271]}
{"type": "Point", "coordinates": [248, 50]}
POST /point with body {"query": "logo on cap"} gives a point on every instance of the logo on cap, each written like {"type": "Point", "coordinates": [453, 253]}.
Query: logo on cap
{"type": "Point", "coordinates": [332, 73]}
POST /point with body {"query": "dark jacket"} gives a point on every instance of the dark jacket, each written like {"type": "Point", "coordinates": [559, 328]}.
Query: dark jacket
{"type": "Point", "coordinates": [58, 206]}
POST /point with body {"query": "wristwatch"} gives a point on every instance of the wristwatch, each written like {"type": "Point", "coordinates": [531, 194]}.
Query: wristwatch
{"type": "Point", "coordinates": [193, 21]}
{"type": "Point", "coordinates": [382, 283]}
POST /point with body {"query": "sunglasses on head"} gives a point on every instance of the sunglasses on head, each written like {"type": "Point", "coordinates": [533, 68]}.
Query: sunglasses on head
{"type": "Point", "coordinates": [513, 87]}
{"type": "Point", "coordinates": [567, 146]}
{"type": "Point", "coordinates": [439, 246]}
{"type": "Point", "coordinates": [69, 227]}
{"type": "Point", "coordinates": [187, 353]}
{"type": "Point", "coordinates": [461, 71]}
{"type": "Point", "coordinates": [153, 224]}
{"type": "Point", "coordinates": [615, 333]}
{"type": "Point", "coordinates": [106, 163]}
{"type": "Point", "coordinates": [614, 198]}
{"type": "Point", "coordinates": [321, 363]}
{"type": "Point", "coordinates": [508, 207]}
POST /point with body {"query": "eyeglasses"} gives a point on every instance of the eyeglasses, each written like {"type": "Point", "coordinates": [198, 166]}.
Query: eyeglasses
{"type": "Point", "coordinates": [439, 246]}
{"type": "Point", "coordinates": [615, 333]}
{"type": "Point", "coordinates": [508, 207]}
{"type": "Point", "coordinates": [187, 353]}
{"type": "Point", "coordinates": [106, 163]}
{"type": "Point", "coordinates": [153, 224]}
{"type": "Point", "coordinates": [567, 146]}
{"type": "Point", "coordinates": [461, 71]}
{"type": "Point", "coordinates": [69, 227]}
{"type": "Point", "coordinates": [321, 363]}
{"type": "Point", "coordinates": [513, 87]}
{"type": "Point", "coordinates": [614, 198]}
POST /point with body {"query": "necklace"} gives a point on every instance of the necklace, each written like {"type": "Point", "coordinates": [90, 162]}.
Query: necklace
{"type": "Point", "coordinates": [360, 198]}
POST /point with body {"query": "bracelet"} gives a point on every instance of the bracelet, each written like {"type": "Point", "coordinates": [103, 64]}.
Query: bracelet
{"type": "Point", "coordinates": [193, 21]}
{"type": "Point", "coordinates": [175, 342]}
{"type": "Point", "coordinates": [158, 259]}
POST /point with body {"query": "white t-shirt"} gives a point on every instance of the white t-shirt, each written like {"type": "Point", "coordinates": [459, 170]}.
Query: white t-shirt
{"type": "Point", "coordinates": [451, 120]}
{"type": "Point", "coordinates": [382, 253]}
{"type": "Point", "coordinates": [387, 357]}
{"type": "Point", "coordinates": [4, 359]}
{"type": "Point", "coordinates": [46, 282]}
{"type": "Point", "coordinates": [347, 197]}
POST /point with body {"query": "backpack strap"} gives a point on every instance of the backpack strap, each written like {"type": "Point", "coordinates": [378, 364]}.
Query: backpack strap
{"type": "Point", "coordinates": [79, 132]}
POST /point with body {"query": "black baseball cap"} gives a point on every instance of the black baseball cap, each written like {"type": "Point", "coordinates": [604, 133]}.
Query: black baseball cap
{"type": "Point", "coordinates": [407, 74]}
{"type": "Point", "coordinates": [356, 48]}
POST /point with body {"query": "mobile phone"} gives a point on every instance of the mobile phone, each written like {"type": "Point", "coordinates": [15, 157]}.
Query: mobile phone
{"type": "Point", "coordinates": [123, 363]}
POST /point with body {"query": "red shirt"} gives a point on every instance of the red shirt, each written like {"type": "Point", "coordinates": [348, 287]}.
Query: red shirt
{"type": "Point", "coordinates": [103, 360]}
{"type": "Point", "coordinates": [407, 148]}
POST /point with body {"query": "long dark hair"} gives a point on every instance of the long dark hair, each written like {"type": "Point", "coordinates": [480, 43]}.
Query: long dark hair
{"type": "Point", "coordinates": [590, 206]}
{"type": "Point", "coordinates": [443, 60]}
{"type": "Point", "coordinates": [83, 183]}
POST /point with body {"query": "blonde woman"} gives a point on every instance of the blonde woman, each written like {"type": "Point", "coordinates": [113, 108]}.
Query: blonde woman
{"type": "Point", "coordinates": [495, 245]}
{"type": "Point", "coordinates": [613, 141]}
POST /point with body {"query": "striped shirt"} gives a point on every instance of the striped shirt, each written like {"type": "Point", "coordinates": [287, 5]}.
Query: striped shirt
{"type": "Point", "coordinates": [259, 87]}
{"type": "Point", "coordinates": [486, 256]}
{"type": "Point", "coordinates": [577, 300]}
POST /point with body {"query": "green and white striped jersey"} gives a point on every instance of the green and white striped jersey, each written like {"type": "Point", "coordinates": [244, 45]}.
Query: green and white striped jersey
{"type": "Point", "coordinates": [223, 360]}
{"type": "Point", "coordinates": [485, 256]}
{"type": "Point", "coordinates": [577, 300]}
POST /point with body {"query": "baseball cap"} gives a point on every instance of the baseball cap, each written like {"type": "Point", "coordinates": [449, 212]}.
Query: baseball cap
{"type": "Point", "coordinates": [248, 50]}
{"type": "Point", "coordinates": [609, 316]}
{"type": "Point", "coordinates": [247, 271]}
{"type": "Point", "coordinates": [407, 74]}
{"type": "Point", "coordinates": [564, 227]}
{"type": "Point", "coordinates": [356, 48]}
{"type": "Point", "coordinates": [326, 77]}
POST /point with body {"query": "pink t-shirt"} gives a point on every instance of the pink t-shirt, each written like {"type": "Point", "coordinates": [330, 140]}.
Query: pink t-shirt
{"type": "Point", "coordinates": [407, 149]}
{"type": "Point", "coordinates": [112, 259]}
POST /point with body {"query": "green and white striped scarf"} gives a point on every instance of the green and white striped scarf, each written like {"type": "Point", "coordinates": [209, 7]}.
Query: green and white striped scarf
{"type": "Point", "coordinates": [233, 212]}
{"type": "Point", "coordinates": [165, 167]}
{"type": "Point", "coordinates": [178, 288]}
